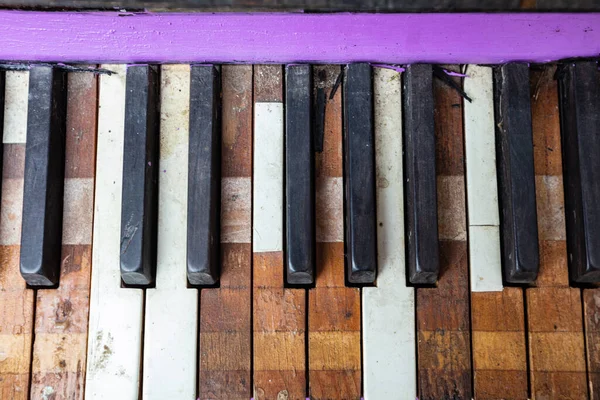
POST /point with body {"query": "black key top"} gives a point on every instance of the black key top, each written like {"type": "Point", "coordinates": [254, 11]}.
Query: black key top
{"type": "Point", "coordinates": [514, 138]}
{"type": "Point", "coordinates": [204, 179]}
{"type": "Point", "coordinates": [359, 175]}
{"type": "Point", "coordinates": [420, 179]}
{"type": "Point", "coordinates": [140, 180]}
{"type": "Point", "coordinates": [299, 175]}
{"type": "Point", "coordinates": [41, 234]}
{"type": "Point", "coordinates": [579, 86]}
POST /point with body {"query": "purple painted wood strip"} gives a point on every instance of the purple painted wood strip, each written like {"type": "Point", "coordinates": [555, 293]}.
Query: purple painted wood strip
{"type": "Point", "coordinates": [282, 38]}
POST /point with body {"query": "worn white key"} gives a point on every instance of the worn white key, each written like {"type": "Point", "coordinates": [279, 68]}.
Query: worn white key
{"type": "Point", "coordinates": [268, 177]}
{"type": "Point", "coordinates": [115, 325]}
{"type": "Point", "coordinates": [482, 187]}
{"type": "Point", "coordinates": [16, 102]}
{"type": "Point", "coordinates": [170, 334]}
{"type": "Point", "coordinates": [389, 359]}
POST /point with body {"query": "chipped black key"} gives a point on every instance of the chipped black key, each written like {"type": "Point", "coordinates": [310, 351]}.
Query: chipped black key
{"type": "Point", "coordinates": [204, 180]}
{"type": "Point", "coordinates": [579, 88]}
{"type": "Point", "coordinates": [140, 179]}
{"type": "Point", "coordinates": [420, 179]}
{"type": "Point", "coordinates": [41, 233]}
{"type": "Point", "coordinates": [359, 175]}
{"type": "Point", "coordinates": [299, 175]}
{"type": "Point", "coordinates": [514, 138]}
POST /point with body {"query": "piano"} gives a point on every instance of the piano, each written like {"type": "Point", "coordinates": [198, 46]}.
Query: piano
{"type": "Point", "coordinates": [284, 222]}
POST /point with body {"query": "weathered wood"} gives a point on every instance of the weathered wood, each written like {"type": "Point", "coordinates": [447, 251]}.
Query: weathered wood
{"type": "Point", "coordinates": [497, 315]}
{"type": "Point", "coordinates": [591, 315]}
{"type": "Point", "coordinates": [225, 313]}
{"type": "Point", "coordinates": [333, 309]}
{"type": "Point", "coordinates": [388, 310]}
{"type": "Point", "coordinates": [443, 325]}
{"type": "Point", "coordinates": [498, 343]}
{"type": "Point", "coordinates": [16, 301]}
{"type": "Point", "coordinates": [554, 313]}
{"type": "Point", "coordinates": [279, 314]}
{"type": "Point", "coordinates": [61, 320]}
{"type": "Point", "coordinates": [171, 312]}
{"type": "Point", "coordinates": [115, 322]}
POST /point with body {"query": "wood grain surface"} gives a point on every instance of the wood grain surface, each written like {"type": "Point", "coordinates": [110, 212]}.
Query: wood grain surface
{"type": "Point", "coordinates": [225, 329]}
{"type": "Point", "coordinates": [17, 303]}
{"type": "Point", "coordinates": [554, 310]}
{"type": "Point", "coordinates": [59, 351]}
{"type": "Point", "coordinates": [443, 323]}
{"type": "Point", "coordinates": [497, 313]}
{"type": "Point", "coordinates": [334, 356]}
{"type": "Point", "coordinates": [279, 331]}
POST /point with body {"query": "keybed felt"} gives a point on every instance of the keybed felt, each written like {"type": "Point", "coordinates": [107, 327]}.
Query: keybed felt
{"type": "Point", "coordinates": [255, 330]}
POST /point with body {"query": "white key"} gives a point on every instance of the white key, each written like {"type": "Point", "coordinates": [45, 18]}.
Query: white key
{"type": "Point", "coordinates": [15, 132]}
{"type": "Point", "coordinates": [482, 187]}
{"type": "Point", "coordinates": [389, 359]}
{"type": "Point", "coordinates": [115, 325]}
{"type": "Point", "coordinates": [268, 177]}
{"type": "Point", "coordinates": [170, 335]}
{"type": "Point", "coordinates": [16, 102]}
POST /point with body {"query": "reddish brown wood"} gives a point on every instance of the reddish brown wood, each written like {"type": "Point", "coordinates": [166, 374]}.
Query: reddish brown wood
{"type": "Point", "coordinates": [334, 310]}
{"type": "Point", "coordinates": [443, 323]}
{"type": "Point", "coordinates": [591, 313]}
{"type": "Point", "coordinates": [498, 341]}
{"type": "Point", "coordinates": [61, 321]}
{"type": "Point", "coordinates": [554, 310]}
{"type": "Point", "coordinates": [279, 330]}
{"type": "Point", "coordinates": [225, 331]}
{"type": "Point", "coordinates": [498, 344]}
{"type": "Point", "coordinates": [268, 83]}
{"type": "Point", "coordinates": [16, 301]}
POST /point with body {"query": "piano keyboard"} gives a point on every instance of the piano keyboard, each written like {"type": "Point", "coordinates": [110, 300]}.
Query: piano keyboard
{"type": "Point", "coordinates": [284, 232]}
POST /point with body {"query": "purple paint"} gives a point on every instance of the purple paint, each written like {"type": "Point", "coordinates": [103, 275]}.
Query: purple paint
{"type": "Point", "coordinates": [288, 38]}
{"type": "Point", "coordinates": [452, 73]}
{"type": "Point", "coordinates": [389, 66]}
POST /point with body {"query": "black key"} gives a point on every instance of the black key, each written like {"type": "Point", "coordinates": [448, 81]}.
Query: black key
{"type": "Point", "coordinates": [41, 234]}
{"type": "Point", "coordinates": [299, 175]}
{"type": "Point", "coordinates": [204, 180]}
{"type": "Point", "coordinates": [514, 141]}
{"type": "Point", "coordinates": [579, 86]}
{"type": "Point", "coordinates": [140, 176]}
{"type": "Point", "coordinates": [359, 175]}
{"type": "Point", "coordinates": [420, 179]}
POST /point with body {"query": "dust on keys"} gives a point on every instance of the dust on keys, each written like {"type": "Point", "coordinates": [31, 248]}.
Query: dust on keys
{"type": "Point", "coordinates": [284, 232]}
